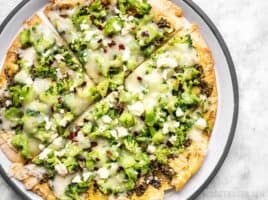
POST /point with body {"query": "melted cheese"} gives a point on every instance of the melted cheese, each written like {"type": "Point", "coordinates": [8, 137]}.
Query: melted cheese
{"type": "Point", "coordinates": [28, 55]}
{"type": "Point", "coordinates": [59, 184]}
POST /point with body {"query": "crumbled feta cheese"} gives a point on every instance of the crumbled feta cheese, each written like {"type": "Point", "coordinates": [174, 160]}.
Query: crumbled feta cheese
{"type": "Point", "coordinates": [61, 169]}
{"type": "Point", "coordinates": [8, 102]}
{"type": "Point", "coordinates": [103, 173]}
{"type": "Point", "coordinates": [86, 175]}
{"type": "Point", "coordinates": [48, 124]}
{"type": "Point", "coordinates": [58, 142]}
{"type": "Point", "coordinates": [114, 133]}
{"type": "Point", "coordinates": [136, 108]}
{"type": "Point", "coordinates": [179, 112]}
{"type": "Point", "coordinates": [122, 132]}
{"type": "Point", "coordinates": [116, 26]}
{"type": "Point", "coordinates": [114, 167]}
{"type": "Point", "coordinates": [59, 57]}
{"type": "Point", "coordinates": [152, 157]}
{"type": "Point", "coordinates": [84, 26]}
{"type": "Point", "coordinates": [176, 124]}
{"type": "Point", "coordinates": [170, 126]}
{"type": "Point", "coordinates": [60, 153]}
{"type": "Point", "coordinates": [172, 139]}
{"type": "Point", "coordinates": [151, 148]}
{"type": "Point", "coordinates": [165, 61]}
{"type": "Point", "coordinates": [77, 179]}
{"type": "Point", "coordinates": [106, 119]}
{"type": "Point", "coordinates": [126, 54]}
{"type": "Point", "coordinates": [43, 155]}
{"type": "Point", "coordinates": [165, 128]}
{"type": "Point", "coordinates": [82, 140]}
{"type": "Point", "coordinates": [201, 123]}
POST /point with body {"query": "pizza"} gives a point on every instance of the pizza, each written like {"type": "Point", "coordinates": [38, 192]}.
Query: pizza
{"type": "Point", "coordinates": [107, 99]}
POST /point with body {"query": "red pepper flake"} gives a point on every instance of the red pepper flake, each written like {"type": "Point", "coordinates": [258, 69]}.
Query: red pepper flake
{"type": "Point", "coordinates": [139, 78]}
{"type": "Point", "coordinates": [94, 144]}
{"type": "Point", "coordinates": [111, 44]}
{"type": "Point", "coordinates": [73, 134]}
{"type": "Point", "coordinates": [121, 47]}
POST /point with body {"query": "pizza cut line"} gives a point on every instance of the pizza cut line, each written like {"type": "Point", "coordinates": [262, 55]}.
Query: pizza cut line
{"type": "Point", "coordinates": [118, 102]}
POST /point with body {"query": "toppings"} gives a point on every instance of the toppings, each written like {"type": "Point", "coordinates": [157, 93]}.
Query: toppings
{"type": "Point", "coordinates": [112, 26]}
{"type": "Point", "coordinates": [25, 38]}
{"type": "Point", "coordinates": [136, 108]}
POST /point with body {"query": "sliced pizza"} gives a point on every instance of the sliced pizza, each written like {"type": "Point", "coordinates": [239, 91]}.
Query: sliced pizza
{"type": "Point", "coordinates": [43, 83]}
{"type": "Point", "coordinates": [111, 38]}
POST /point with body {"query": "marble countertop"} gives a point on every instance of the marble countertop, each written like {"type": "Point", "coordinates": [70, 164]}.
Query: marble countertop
{"type": "Point", "coordinates": [244, 25]}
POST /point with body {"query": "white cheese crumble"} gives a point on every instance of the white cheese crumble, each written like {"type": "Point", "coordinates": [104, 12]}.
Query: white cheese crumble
{"type": "Point", "coordinates": [103, 173]}
{"type": "Point", "coordinates": [122, 132]}
{"type": "Point", "coordinates": [84, 26]}
{"type": "Point", "coordinates": [179, 112]}
{"type": "Point", "coordinates": [114, 133]}
{"type": "Point", "coordinates": [77, 179]}
{"type": "Point", "coordinates": [59, 57]}
{"type": "Point", "coordinates": [201, 123]}
{"type": "Point", "coordinates": [136, 108]}
{"type": "Point", "coordinates": [86, 175]}
{"type": "Point", "coordinates": [151, 148]}
{"type": "Point", "coordinates": [58, 142]}
{"type": "Point", "coordinates": [126, 54]}
{"type": "Point", "coordinates": [61, 169]}
{"type": "Point", "coordinates": [106, 119]}
{"type": "Point", "coordinates": [43, 155]}
{"type": "Point", "coordinates": [172, 139]}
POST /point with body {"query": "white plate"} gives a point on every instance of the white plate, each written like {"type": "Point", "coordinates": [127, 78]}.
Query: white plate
{"type": "Point", "coordinates": [225, 124]}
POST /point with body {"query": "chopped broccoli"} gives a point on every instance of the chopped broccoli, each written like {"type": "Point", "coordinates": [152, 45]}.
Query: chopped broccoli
{"type": "Point", "coordinates": [113, 26]}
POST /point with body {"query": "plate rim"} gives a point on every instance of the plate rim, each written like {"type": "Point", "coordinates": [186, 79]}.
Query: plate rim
{"type": "Point", "coordinates": [233, 75]}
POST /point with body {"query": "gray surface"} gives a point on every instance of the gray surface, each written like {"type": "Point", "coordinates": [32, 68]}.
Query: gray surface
{"type": "Point", "coordinates": [242, 23]}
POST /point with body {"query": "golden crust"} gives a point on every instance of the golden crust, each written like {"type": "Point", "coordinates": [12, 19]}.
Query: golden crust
{"type": "Point", "coordinates": [170, 11]}
{"type": "Point", "coordinates": [11, 153]}
{"type": "Point", "coordinates": [189, 162]}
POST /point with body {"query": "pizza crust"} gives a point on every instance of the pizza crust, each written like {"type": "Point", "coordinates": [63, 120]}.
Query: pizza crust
{"type": "Point", "coordinates": [190, 161]}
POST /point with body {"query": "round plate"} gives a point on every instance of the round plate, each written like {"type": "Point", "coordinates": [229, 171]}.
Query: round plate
{"type": "Point", "coordinates": [227, 114]}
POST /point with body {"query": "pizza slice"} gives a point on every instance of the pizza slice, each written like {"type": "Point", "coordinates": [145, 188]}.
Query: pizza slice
{"type": "Point", "coordinates": [111, 38]}
{"type": "Point", "coordinates": [42, 84]}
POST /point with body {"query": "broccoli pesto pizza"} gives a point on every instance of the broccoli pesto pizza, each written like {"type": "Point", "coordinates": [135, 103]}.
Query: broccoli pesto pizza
{"type": "Point", "coordinates": [117, 101]}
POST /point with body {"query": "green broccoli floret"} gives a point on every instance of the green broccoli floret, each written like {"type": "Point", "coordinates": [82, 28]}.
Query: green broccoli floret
{"type": "Point", "coordinates": [140, 7]}
{"type": "Point", "coordinates": [25, 38]}
{"type": "Point", "coordinates": [21, 142]}
{"type": "Point", "coordinates": [44, 71]}
{"type": "Point", "coordinates": [19, 93]}
{"type": "Point", "coordinates": [127, 119]}
{"type": "Point", "coordinates": [113, 26]}
{"type": "Point", "coordinates": [103, 87]}
{"type": "Point", "coordinates": [131, 145]}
